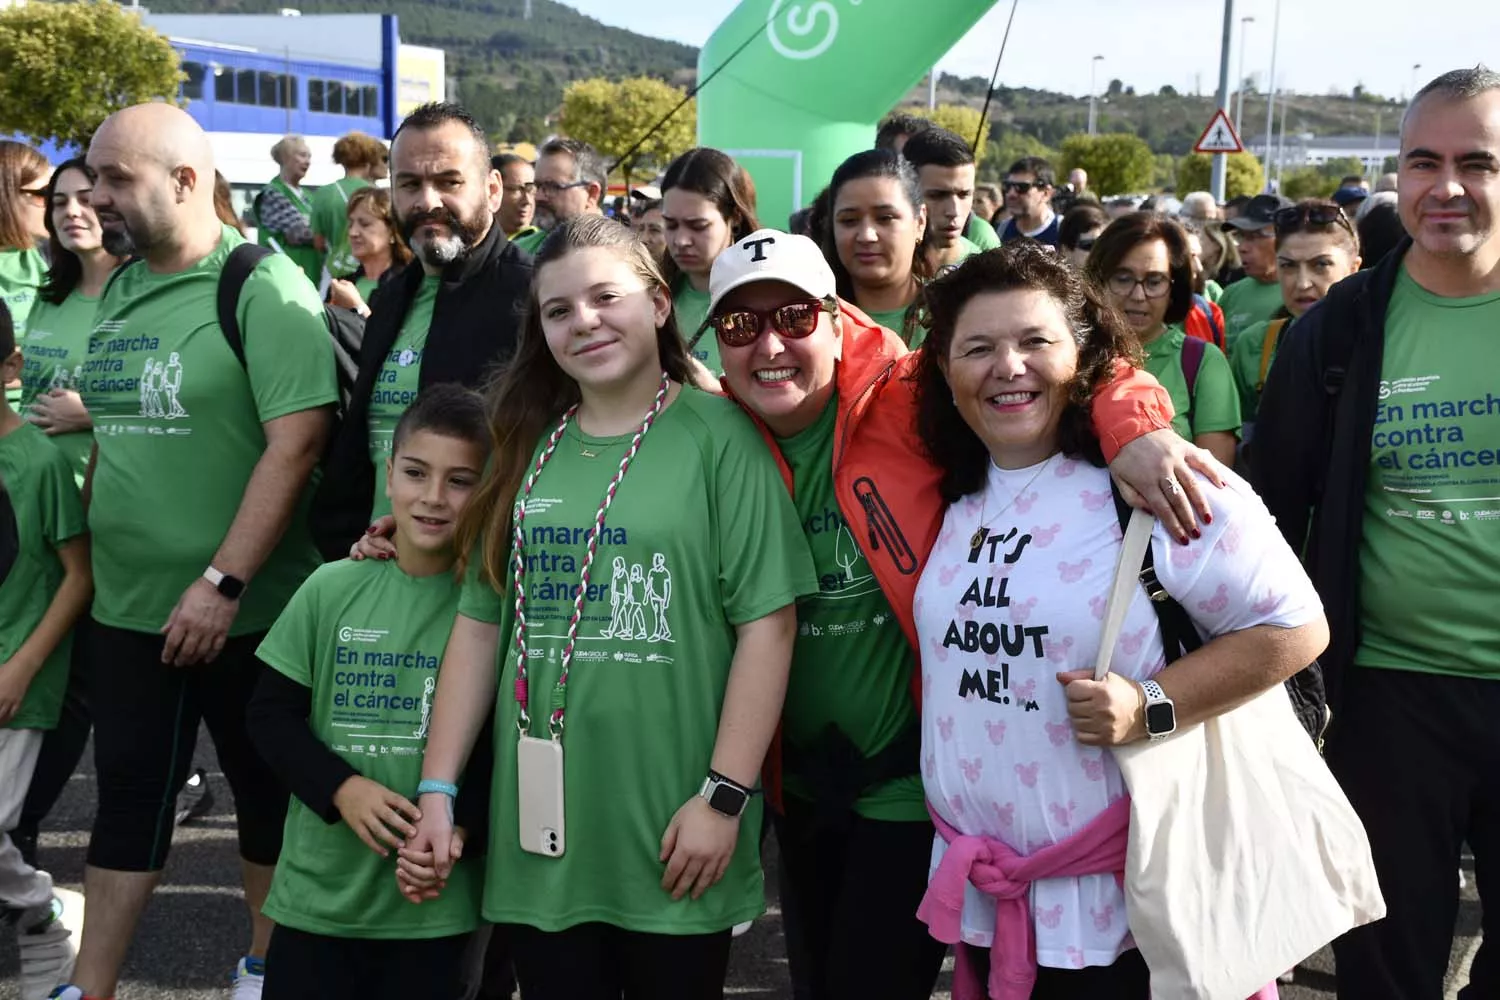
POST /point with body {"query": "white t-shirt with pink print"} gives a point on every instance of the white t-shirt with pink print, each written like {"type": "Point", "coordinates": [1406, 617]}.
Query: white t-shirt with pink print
{"type": "Point", "coordinates": [998, 622]}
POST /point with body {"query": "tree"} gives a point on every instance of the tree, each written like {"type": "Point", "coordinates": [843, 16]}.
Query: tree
{"type": "Point", "coordinates": [1116, 88]}
{"type": "Point", "coordinates": [1116, 163]}
{"type": "Point", "coordinates": [960, 119]}
{"type": "Point", "coordinates": [1164, 174]}
{"type": "Point", "coordinates": [613, 117]}
{"type": "Point", "coordinates": [65, 67]}
{"type": "Point", "coordinates": [1307, 182]}
{"type": "Point", "coordinates": [1010, 147]}
{"type": "Point", "coordinates": [1167, 90]}
{"type": "Point", "coordinates": [1244, 176]}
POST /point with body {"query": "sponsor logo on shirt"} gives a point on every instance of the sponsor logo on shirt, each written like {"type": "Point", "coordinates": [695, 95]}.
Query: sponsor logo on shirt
{"type": "Point", "coordinates": [348, 633]}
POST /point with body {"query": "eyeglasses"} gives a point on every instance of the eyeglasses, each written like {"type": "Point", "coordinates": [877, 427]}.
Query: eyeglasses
{"type": "Point", "coordinates": [1293, 218]}
{"type": "Point", "coordinates": [38, 194]}
{"type": "Point", "coordinates": [550, 188]}
{"type": "Point", "coordinates": [1153, 286]}
{"type": "Point", "coordinates": [1021, 187]}
{"type": "Point", "coordinates": [524, 188]}
{"type": "Point", "coordinates": [792, 321]}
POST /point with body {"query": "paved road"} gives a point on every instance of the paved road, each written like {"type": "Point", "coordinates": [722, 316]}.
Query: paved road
{"type": "Point", "coordinates": [193, 932]}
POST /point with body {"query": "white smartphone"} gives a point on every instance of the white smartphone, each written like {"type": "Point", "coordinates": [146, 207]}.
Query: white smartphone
{"type": "Point", "coordinates": [539, 774]}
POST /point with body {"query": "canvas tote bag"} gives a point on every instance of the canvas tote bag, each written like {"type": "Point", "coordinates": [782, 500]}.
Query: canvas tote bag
{"type": "Point", "coordinates": [1245, 856]}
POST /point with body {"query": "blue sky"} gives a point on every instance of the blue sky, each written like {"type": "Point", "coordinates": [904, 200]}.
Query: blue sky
{"type": "Point", "coordinates": [1148, 43]}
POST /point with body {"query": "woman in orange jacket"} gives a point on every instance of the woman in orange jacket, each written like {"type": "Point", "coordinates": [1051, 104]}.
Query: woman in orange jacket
{"type": "Point", "coordinates": [832, 393]}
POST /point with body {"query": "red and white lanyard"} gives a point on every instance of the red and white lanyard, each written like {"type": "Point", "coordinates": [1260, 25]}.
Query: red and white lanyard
{"type": "Point", "coordinates": [560, 691]}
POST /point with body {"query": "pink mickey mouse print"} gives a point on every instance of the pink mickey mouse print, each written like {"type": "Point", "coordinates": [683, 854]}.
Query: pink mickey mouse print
{"type": "Point", "coordinates": [926, 685]}
{"type": "Point", "coordinates": [1073, 572]}
{"type": "Point", "coordinates": [1024, 504]}
{"type": "Point", "coordinates": [973, 939]}
{"type": "Point", "coordinates": [1229, 541]}
{"type": "Point", "coordinates": [996, 731]}
{"type": "Point", "coordinates": [1131, 644]}
{"type": "Point", "coordinates": [1020, 611]}
{"type": "Point", "coordinates": [973, 769]}
{"type": "Point", "coordinates": [1051, 917]}
{"type": "Point", "coordinates": [1066, 468]}
{"type": "Point", "coordinates": [1058, 732]}
{"type": "Point", "coordinates": [1093, 768]}
{"type": "Point", "coordinates": [1267, 604]}
{"type": "Point", "coordinates": [1004, 815]}
{"type": "Point", "coordinates": [1027, 773]}
{"type": "Point", "coordinates": [966, 612]}
{"type": "Point", "coordinates": [929, 764]}
{"type": "Point", "coordinates": [956, 803]}
{"type": "Point", "coordinates": [1103, 918]}
{"type": "Point", "coordinates": [1061, 814]}
{"type": "Point", "coordinates": [1075, 956]}
{"type": "Point", "coordinates": [1217, 603]}
{"type": "Point", "coordinates": [1183, 556]}
{"type": "Point", "coordinates": [945, 727]}
{"type": "Point", "coordinates": [973, 503]}
{"type": "Point", "coordinates": [1095, 501]}
{"type": "Point", "coordinates": [946, 535]}
{"type": "Point", "coordinates": [1043, 537]}
{"type": "Point", "coordinates": [939, 651]}
{"type": "Point", "coordinates": [1098, 604]}
{"type": "Point", "coordinates": [1057, 651]}
{"type": "Point", "coordinates": [1025, 689]}
{"type": "Point", "coordinates": [1116, 532]}
{"type": "Point", "coordinates": [947, 573]}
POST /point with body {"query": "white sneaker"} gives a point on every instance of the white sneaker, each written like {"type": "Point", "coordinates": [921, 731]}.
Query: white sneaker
{"type": "Point", "coordinates": [249, 979]}
{"type": "Point", "coordinates": [740, 929]}
{"type": "Point", "coordinates": [48, 941]}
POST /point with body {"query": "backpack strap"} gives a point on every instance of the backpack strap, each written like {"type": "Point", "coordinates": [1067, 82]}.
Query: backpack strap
{"type": "Point", "coordinates": [1192, 360]}
{"type": "Point", "coordinates": [1178, 634]}
{"type": "Point", "coordinates": [1215, 328]}
{"type": "Point", "coordinates": [242, 262]}
{"type": "Point", "coordinates": [1268, 350]}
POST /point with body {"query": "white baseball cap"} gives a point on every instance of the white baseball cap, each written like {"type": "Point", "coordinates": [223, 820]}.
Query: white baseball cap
{"type": "Point", "coordinates": [771, 255]}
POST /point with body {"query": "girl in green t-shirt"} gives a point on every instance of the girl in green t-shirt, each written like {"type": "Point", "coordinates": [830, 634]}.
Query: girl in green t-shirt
{"type": "Point", "coordinates": [627, 621]}
{"type": "Point", "coordinates": [873, 240]}
{"type": "Point", "coordinates": [23, 209]}
{"type": "Point", "coordinates": [706, 205]}
{"type": "Point", "coordinates": [56, 340]}
{"type": "Point", "coordinates": [375, 240]}
{"type": "Point", "coordinates": [1143, 264]}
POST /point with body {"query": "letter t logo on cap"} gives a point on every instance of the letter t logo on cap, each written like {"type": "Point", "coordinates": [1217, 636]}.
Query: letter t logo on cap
{"type": "Point", "coordinates": [756, 248]}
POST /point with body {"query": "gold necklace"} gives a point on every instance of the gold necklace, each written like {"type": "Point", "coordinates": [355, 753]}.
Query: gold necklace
{"type": "Point", "coordinates": [981, 532]}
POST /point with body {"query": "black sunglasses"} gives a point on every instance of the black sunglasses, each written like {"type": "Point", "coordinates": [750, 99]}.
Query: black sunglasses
{"type": "Point", "coordinates": [1021, 187]}
{"type": "Point", "coordinates": [792, 321]}
{"type": "Point", "coordinates": [1085, 243]}
{"type": "Point", "coordinates": [1293, 218]}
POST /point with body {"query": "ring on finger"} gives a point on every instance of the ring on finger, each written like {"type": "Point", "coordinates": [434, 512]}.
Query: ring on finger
{"type": "Point", "coordinates": [1169, 487]}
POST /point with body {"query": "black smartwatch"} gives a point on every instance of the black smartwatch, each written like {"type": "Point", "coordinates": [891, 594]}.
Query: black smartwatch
{"type": "Point", "coordinates": [230, 587]}
{"type": "Point", "coordinates": [726, 797]}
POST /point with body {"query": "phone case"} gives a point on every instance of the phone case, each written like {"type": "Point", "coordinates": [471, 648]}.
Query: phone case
{"type": "Point", "coordinates": [539, 774]}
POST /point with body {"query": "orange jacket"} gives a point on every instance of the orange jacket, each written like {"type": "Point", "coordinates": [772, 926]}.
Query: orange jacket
{"type": "Point", "coordinates": [887, 487]}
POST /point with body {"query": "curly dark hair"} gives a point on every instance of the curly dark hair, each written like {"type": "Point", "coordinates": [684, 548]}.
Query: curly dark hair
{"type": "Point", "coordinates": [1104, 342]}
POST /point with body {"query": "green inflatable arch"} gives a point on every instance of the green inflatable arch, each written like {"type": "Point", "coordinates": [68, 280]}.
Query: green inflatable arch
{"type": "Point", "coordinates": [807, 92]}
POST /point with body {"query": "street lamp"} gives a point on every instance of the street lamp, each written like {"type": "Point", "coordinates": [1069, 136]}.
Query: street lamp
{"type": "Point", "coordinates": [1239, 113]}
{"type": "Point", "coordinates": [1271, 89]}
{"type": "Point", "coordinates": [1093, 93]}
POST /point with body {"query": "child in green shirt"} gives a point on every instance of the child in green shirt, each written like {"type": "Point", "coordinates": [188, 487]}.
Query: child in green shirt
{"type": "Point", "coordinates": [342, 717]}
{"type": "Point", "coordinates": [45, 585]}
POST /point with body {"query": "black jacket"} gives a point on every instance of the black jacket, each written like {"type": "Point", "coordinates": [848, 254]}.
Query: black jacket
{"type": "Point", "coordinates": [1313, 431]}
{"type": "Point", "coordinates": [476, 322]}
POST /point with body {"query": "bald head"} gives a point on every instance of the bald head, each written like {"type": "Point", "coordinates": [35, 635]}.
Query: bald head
{"type": "Point", "coordinates": [154, 186]}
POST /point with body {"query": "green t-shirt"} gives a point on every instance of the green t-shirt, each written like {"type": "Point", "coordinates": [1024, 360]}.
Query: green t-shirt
{"type": "Point", "coordinates": [178, 425]}
{"type": "Point", "coordinates": [1247, 302]}
{"type": "Point", "coordinates": [981, 233]}
{"type": "Point", "coordinates": [329, 217]}
{"type": "Point", "coordinates": [1244, 362]}
{"type": "Point", "coordinates": [691, 308]}
{"type": "Point", "coordinates": [530, 239]}
{"type": "Point", "coordinates": [365, 286]}
{"type": "Point", "coordinates": [48, 513]}
{"type": "Point", "coordinates": [895, 321]}
{"type": "Point", "coordinates": [1430, 556]}
{"type": "Point", "coordinates": [21, 274]}
{"type": "Point", "coordinates": [1212, 290]}
{"type": "Point", "coordinates": [701, 537]}
{"type": "Point", "coordinates": [396, 386]}
{"type": "Point", "coordinates": [1214, 403]}
{"type": "Point", "coordinates": [367, 640]}
{"type": "Point", "coordinates": [851, 665]}
{"type": "Point", "coordinates": [55, 347]}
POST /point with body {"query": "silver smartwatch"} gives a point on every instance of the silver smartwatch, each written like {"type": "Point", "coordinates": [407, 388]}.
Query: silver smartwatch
{"type": "Point", "coordinates": [1161, 713]}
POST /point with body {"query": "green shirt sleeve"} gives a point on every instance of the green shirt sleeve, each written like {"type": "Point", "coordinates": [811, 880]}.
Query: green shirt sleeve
{"type": "Point", "coordinates": [1244, 364]}
{"type": "Point", "coordinates": [764, 562]}
{"type": "Point", "coordinates": [1212, 290]}
{"type": "Point", "coordinates": [981, 233]}
{"type": "Point", "coordinates": [288, 353]}
{"type": "Point", "coordinates": [1216, 404]}
{"type": "Point", "coordinates": [62, 508]}
{"type": "Point", "coordinates": [291, 647]}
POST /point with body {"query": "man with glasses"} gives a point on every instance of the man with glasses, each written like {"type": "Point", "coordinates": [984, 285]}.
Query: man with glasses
{"type": "Point", "coordinates": [517, 196]}
{"type": "Point", "coordinates": [1256, 297]}
{"type": "Point", "coordinates": [1376, 450]}
{"type": "Point", "coordinates": [1028, 197]}
{"type": "Point", "coordinates": [570, 181]}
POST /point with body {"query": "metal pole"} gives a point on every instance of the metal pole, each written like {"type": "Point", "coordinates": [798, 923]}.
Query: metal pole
{"type": "Point", "coordinates": [1271, 100]}
{"type": "Point", "coordinates": [1239, 114]}
{"type": "Point", "coordinates": [1221, 162]}
{"type": "Point", "coordinates": [1281, 147]}
{"type": "Point", "coordinates": [1094, 93]}
{"type": "Point", "coordinates": [932, 89]}
{"type": "Point", "coordinates": [1378, 160]}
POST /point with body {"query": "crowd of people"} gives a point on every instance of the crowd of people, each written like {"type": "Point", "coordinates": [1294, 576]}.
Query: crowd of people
{"type": "Point", "coordinates": [529, 567]}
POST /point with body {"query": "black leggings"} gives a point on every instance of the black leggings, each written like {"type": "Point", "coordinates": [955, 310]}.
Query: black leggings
{"type": "Point", "coordinates": [849, 899]}
{"type": "Point", "coordinates": [604, 962]}
{"type": "Point", "coordinates": [303, 966]}
{"type": "Point", "coordinates": [1127, 979]}
{"type": "Point", "coordinates": [146, 717]}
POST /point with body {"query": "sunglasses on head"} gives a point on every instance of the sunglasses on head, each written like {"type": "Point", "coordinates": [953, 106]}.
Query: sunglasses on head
{"type": "Point", "coordinates": [1085, 243]}
{"type": "Point", "coordinates": [1020, 187]}
{"type": "Point", "coordinates": [1296, 216]}
{"type": "Point", "coordinates": [791, 321]}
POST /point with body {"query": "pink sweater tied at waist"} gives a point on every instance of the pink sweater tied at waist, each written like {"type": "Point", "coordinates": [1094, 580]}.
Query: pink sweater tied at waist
{"type": "Point", "coordinates": [995, 869]}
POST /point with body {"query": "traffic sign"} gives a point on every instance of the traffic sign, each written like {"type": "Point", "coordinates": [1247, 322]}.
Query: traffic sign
{"type": "Point", "coordinates": [1219, 137]}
